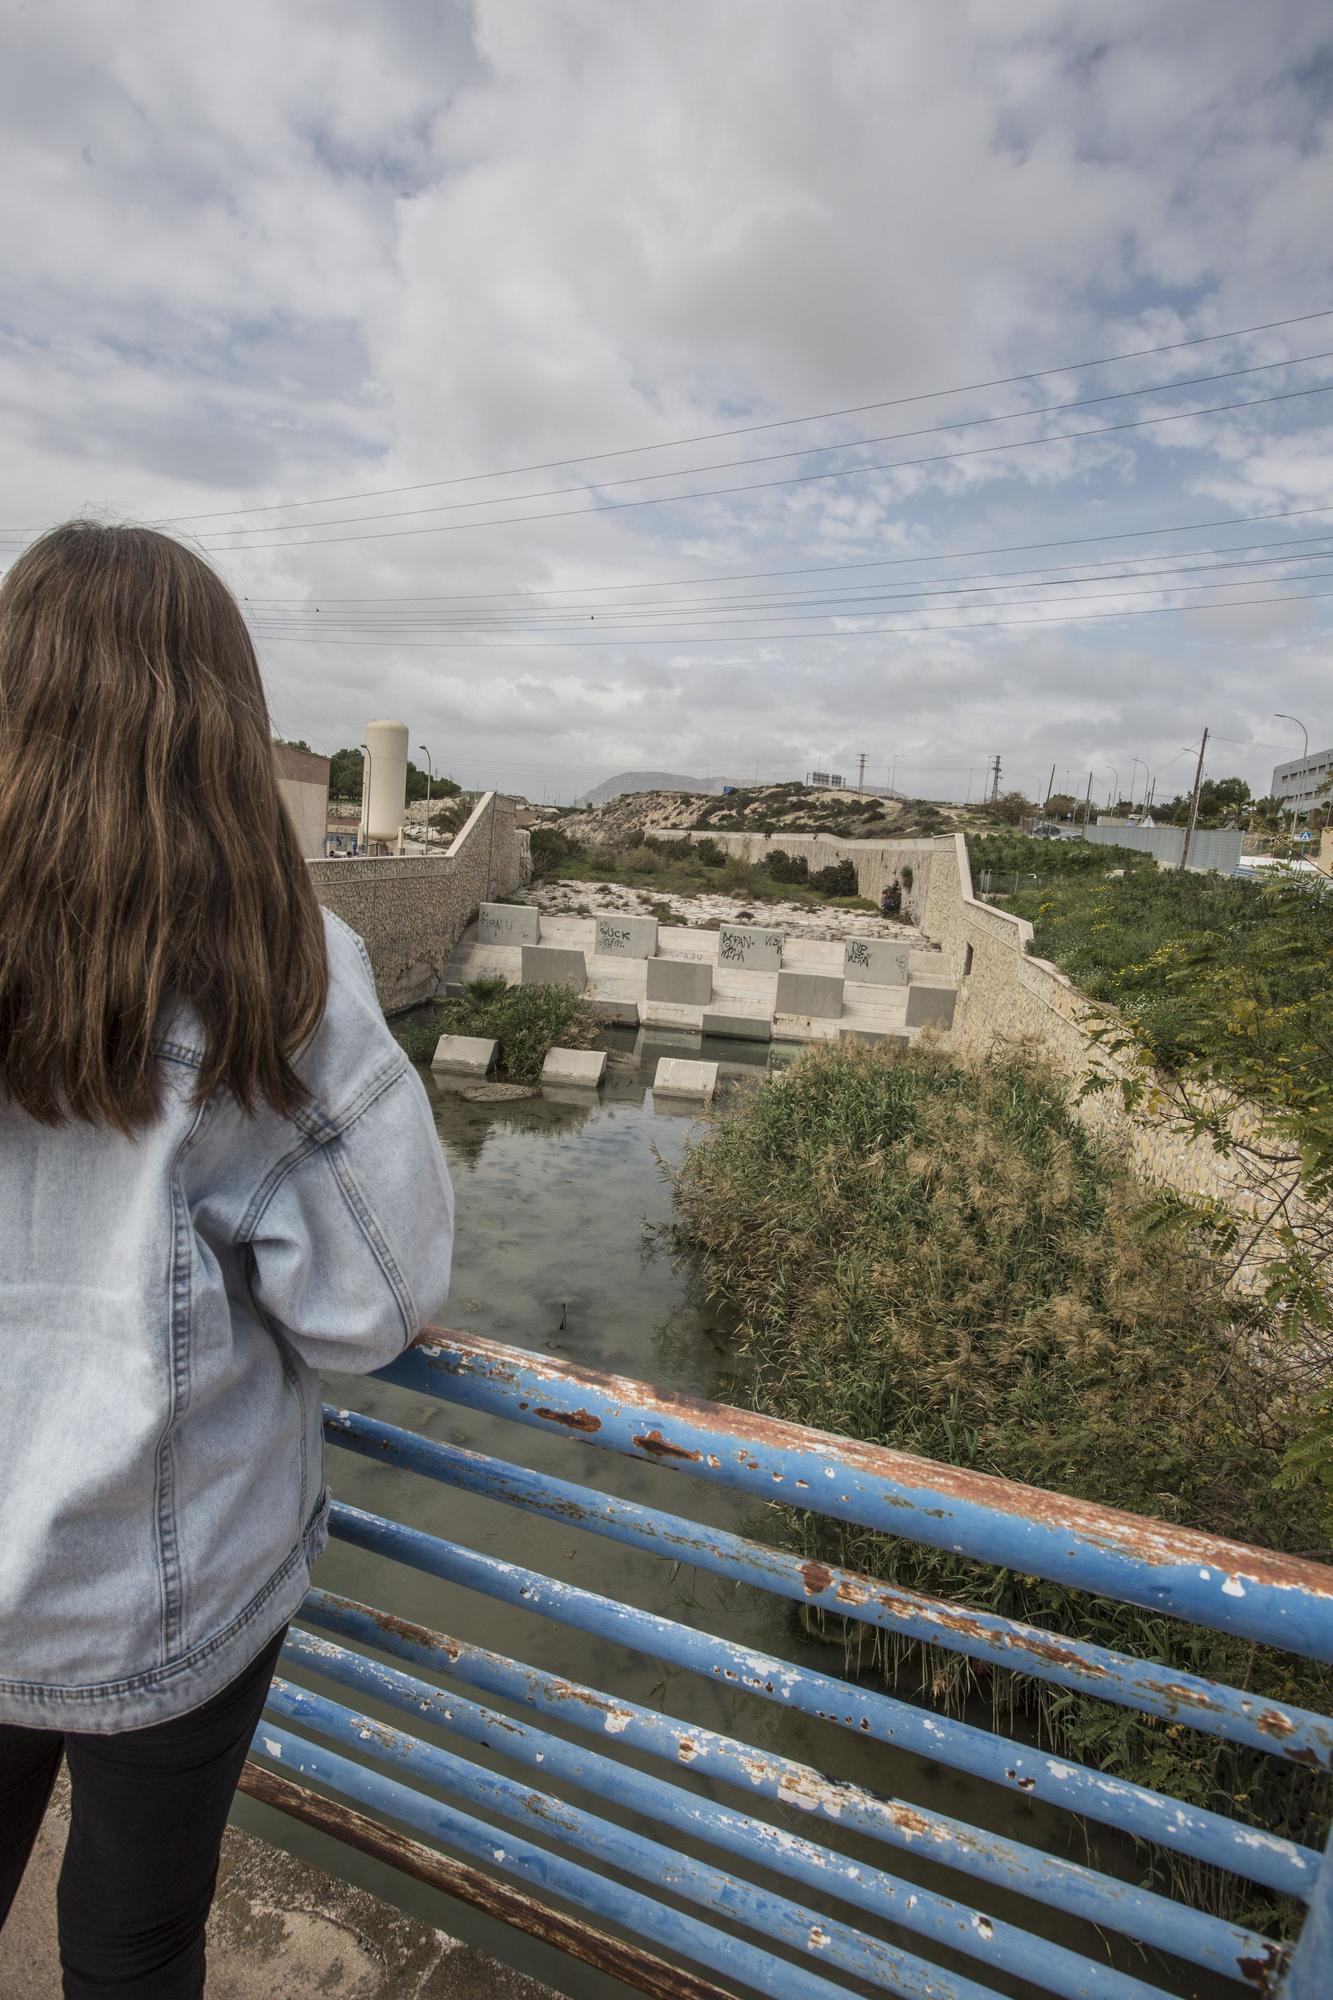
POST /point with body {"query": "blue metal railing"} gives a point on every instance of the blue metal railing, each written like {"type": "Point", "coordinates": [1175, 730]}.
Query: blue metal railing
{"type": "Point", "coordinates": [800, 1952]}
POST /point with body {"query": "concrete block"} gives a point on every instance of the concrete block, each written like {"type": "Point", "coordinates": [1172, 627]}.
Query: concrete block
{"type": "Point", "coordinates": [465, 1055]}
{"type": "Point", "coordinates": [582, 1066]}
{"type": "Point", "coordinates": [748, 948]}
{"type": "Point", "coordinates": [508, 923]}
{"type": "Point", "coordinates": [626, 937]}
{"type": "Point", "coordinates": [737, 1026]}
{"type": "Point", "coordinates": [550, 965]}
{"type": "Point", "coordinates": [675, 1078]}
{"type": "Point", "coordinates": [814, 993]}
{"type": "Point", "coordinates": [681, 982]}
{"type": "Point", "coordinates": [875, 961]}
{"type": "Point", "coordinates": [619, 1013]}
{"type": "Point", "coordinates": [930, 1006]}
{"type": "Point", "coordinates": [874, 1035]}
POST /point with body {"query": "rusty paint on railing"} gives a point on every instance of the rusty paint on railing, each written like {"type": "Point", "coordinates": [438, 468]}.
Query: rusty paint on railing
{"type": "Point", "coordinates": [1260, 1593]}
{"type": "Point", "coordinates": [618, 1960]}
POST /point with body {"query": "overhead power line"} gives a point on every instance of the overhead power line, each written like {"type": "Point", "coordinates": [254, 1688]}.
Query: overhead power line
{"type": "Point", "coordinates": [874, 562]}
{"type": "Point", "coordinates": [773, 485]}
{"type": "Point", "coordinates": [775, 423]}
{"type": "Point", "coordinates": [769, 458]}
{"type": "Point", "coordinates": [312, 618]}
{"type": "Point", "coordinates": [774, 638]}
{"type": "Point", "coordinates": [743, 617]}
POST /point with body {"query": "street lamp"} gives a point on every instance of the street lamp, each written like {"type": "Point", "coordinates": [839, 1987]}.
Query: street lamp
{"type": "Point", "coordinates": [1114, 802]}
{"type": "Point", "coordinates": [364, 748]}
{"type": "Point", "coordinates": [1137, 760]}
{"type": "Point", "coordinates": [430, 766]}
{"type": "Point", "coordinates": [1281, 716]}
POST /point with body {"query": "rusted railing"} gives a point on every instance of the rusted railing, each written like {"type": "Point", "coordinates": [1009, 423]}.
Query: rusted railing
{"type": "Point", "coordinates": [837, 1924]}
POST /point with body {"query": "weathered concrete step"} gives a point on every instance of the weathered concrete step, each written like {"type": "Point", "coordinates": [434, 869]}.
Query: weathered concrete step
{"type": "Point", "coordinates": [280, 1930]}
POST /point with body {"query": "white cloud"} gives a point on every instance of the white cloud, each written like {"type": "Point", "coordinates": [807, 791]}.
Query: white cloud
{"type": "Point", "coordinates": [259, 253]}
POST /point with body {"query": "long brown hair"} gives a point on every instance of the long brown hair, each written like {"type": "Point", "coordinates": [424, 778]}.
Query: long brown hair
{"type": "Point", "coordinates": [145, 852]}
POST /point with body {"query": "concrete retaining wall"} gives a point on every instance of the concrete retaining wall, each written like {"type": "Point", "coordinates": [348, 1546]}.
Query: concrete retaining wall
{"type": "Point", "coordinates": [412, 909]}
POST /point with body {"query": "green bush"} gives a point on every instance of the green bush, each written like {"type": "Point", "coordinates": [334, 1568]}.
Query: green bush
{"type": "Point", "coordinates": [784, 867]}
{"type": "Point", "coordinates": [838, 879]}
{"type": "Point", "coordinates": [709, 852]}
{"type": "Point", "coordinates": [942, 1259]}
{"type": "Point", "coordinates": [527, 1021]}
{"type": "Point", "coordinates": [550, 847]}
{"type": "Point", "coordinates": [1148, 943]}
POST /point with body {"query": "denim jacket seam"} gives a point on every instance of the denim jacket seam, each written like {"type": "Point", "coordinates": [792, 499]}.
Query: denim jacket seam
{"type": "Point", "coordinates": [375, 1238]}
{"type": "Point", "coordinates": [188, 1662]}
{"type": "Point", "coordinates": [317, 1130]}
{"type": "Point", "coordinates": [180, 1277]}
{"type": "Point", "coordinates": [170, 1050]}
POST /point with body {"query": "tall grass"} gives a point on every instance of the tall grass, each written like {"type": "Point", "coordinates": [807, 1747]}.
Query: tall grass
{"type": "Point", "coordinates": [940, 1258]}
{"type": "Point", "coordinates": [527, 1021]}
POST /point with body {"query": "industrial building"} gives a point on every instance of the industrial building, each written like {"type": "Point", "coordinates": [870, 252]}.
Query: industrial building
{"type": "Point", "coordinates": [1298, 784]}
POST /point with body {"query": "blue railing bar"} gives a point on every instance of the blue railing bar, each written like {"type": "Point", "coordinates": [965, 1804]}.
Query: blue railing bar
{"type": "Point", "coordinates": [1048, 1879]}
{"type": "Point", "coordinates": [1274, 1599]}
{"type": "Point", "coordinates": [641, 1917]}
{"type": "Point", "coordinates": [1308, 1975]}
{"type": "Point", "coordinates": [1145, 1685]}
{"type": "Point", "coordinates": [830, 1942]}
{"type": "Point", "coordinates": [1205, 1836]}
{"type": "Point", "coordinates": [998, 1944]}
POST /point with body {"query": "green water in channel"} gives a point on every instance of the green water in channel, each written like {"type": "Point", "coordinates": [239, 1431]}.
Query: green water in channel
{"type": "Point", "coordinates": [564, 1246]}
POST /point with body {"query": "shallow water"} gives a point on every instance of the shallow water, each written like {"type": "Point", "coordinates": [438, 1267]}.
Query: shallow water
{"type": "Point", "coordinates": [564, 1246]}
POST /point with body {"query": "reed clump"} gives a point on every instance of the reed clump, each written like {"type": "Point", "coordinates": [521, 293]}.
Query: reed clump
{"type": "Point", "coordinates": [937, 1256]}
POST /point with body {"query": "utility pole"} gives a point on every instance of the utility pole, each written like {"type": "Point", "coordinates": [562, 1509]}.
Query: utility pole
{"type": "Point", "coordinates": [861, 774]}
{"type": "Point", "coordinates": [995, 781]}
{"type": "Point", "coordinates": [1087, 804]}
{"type": "Point", "coordinates": [430, 768]}
{"type": "Point", "coordinates": [1194, 801]}
{"type": "Point", "coordinates": [1050, 787]}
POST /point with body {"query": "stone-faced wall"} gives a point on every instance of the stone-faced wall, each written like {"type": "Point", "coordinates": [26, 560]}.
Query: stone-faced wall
{"type": "Point", "coordinates": [412, 909]}
{"type": "Point", "coordinates": [877, 862]}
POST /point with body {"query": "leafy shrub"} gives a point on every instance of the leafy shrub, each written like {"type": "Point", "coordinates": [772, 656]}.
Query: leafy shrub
{"type": "Point", "coordinates": [942, 1259]}
{"type": "Point", "coordinates": [527, 1021]}
{"type": "Point", "coordinates": [905, 875]}
{"type": "Point", "coordinates": [891, 901]}
{"type": "Point", "coordinates": [709, 852]}
{"type": "Point", "coordinates": [784, 867]}
{"type": "Point", "coordinates": [550, 847]}
{"type": "Point", "coordinates": [1148, 942]}
{"type": "Point", "coordinates": [838, 879]}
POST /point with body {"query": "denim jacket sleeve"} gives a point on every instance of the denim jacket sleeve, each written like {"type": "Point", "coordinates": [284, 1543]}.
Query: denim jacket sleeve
{"type": "Point", "coordinates": [350, 1251]}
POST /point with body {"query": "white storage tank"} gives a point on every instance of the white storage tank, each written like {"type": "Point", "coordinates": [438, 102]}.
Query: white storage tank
{"type": "Point", "coordinates": [384, 791]}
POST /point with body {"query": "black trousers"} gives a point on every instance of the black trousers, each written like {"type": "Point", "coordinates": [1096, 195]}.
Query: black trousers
{"type": "Point", "coordinates": [149, 1808]}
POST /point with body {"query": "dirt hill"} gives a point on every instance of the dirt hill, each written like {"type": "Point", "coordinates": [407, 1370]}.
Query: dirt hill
{"type": "Point", "coordinates": [789, 808]}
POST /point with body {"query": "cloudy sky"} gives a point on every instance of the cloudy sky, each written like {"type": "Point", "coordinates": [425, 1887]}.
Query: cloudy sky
{"type": "Point", "coordinates": [402, 314]}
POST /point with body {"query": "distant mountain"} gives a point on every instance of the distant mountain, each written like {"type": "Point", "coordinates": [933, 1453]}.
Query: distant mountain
{"type": "Point", "coordinates": [649, 781]}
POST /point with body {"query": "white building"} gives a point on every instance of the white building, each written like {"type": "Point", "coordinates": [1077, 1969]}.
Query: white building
{"type": "Point", "coordinates": [303, 781]}
{"type": "Point", "coordinates": [1300, 782]}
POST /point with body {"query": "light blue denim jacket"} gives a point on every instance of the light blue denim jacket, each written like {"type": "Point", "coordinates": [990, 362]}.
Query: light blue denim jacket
{"type": "Point", "coordinates": [165, 1302]}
